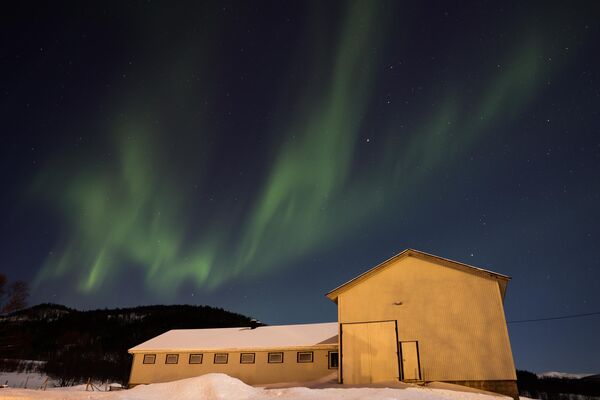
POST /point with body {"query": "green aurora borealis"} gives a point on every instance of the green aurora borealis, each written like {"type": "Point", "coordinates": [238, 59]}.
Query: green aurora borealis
{"type": "Point", "coordinates": [152, 206]}
{"type": "Point", "coordinates": [255, 155]}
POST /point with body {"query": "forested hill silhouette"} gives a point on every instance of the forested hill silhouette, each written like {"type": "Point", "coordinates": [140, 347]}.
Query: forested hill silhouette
{"type": "Point", "coordinates": [557, 388]}
{"type": "Point", "coordinates": [81, 344]}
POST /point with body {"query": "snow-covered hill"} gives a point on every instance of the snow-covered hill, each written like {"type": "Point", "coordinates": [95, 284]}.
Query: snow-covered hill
{"type": "Point", "coordinates": [223, 387]}
{"type": "Point", "coordinates": [555, 374]}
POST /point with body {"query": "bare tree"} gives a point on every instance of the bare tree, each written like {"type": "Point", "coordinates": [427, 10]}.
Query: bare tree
{"type": "Point", "coordinates": [13, 297]}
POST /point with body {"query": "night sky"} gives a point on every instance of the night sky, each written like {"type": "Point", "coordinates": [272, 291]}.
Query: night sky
{"type": "Point", "coordinates": [255, 155]}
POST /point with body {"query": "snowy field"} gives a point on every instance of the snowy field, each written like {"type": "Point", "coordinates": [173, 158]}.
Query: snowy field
{"type": "Point", "coordinates": [224, 387]}
{"type": "Point", "coordinates": [32, 380]}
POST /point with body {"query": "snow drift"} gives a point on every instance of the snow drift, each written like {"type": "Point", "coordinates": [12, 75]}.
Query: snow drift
{"type": "Point", "coordinates": [209, 386]}
{"type": "Point", "coordinates": [224, 387]}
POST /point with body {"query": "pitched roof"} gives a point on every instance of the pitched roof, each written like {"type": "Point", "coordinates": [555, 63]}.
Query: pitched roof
{"type": "Point", "coordinates": [502, 279]}
{"type": "Point", "coordinates": [263, 337]}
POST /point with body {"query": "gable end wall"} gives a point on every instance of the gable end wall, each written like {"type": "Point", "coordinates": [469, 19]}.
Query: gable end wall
{"type": "Point", "coordinates": [457, 318]}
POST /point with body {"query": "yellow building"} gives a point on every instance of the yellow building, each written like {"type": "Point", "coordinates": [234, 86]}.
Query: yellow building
{"type": "Point", "coordinates": [419, 317]}
{"type": "Point", "coordinates": [256, 355]}
{"type": "Point", "coordinates": [415, 317]}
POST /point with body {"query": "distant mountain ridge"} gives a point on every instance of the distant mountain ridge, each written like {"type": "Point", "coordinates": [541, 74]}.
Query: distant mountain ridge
{"type": "Point", "coordinates": [555, 374]}
{"type": "Point", "coordinates": [39, 311]}
{"type": "Point", "coordinates": [77, 344]}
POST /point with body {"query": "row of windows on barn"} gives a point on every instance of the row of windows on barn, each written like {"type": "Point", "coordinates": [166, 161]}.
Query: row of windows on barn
{"type": "Point", "coordinates": [245, 358]}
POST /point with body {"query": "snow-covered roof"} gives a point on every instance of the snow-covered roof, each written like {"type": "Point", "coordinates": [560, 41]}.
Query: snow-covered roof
{"type": "Point", "coordinates": [263, 337]}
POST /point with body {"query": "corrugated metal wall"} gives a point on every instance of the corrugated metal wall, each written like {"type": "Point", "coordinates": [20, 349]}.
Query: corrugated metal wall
{"type": "Point", "coordinates": [457, 318]}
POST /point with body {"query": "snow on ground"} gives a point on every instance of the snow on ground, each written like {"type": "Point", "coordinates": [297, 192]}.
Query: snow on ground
{"type": "Point", "coordinates": [224, 387]}
{"type": "Point", "coordinates": [30, 380]}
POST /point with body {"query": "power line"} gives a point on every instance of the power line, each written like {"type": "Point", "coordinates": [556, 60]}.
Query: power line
{"type": "Point", "coordinates": [554, 318]}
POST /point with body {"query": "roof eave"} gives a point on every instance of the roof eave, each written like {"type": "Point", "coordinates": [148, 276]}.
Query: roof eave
{"type": "Point", "coordinates": [231, 349]}
{"type": "Point", "coordinates": [333, 294]}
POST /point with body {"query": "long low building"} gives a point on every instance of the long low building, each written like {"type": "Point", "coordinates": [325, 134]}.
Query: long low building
{"type": "Point", "coordinates": [256, 355]}
{"type": "Point", "coordinates": [415, 317]}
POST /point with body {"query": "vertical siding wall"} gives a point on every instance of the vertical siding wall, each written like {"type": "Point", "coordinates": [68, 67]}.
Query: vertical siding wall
{"type": "Point", "coordinates": [261, 372]}
{"type": "Point", "coordinates": [457, 318]}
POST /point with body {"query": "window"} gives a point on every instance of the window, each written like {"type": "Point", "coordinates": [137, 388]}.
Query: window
{"type": "Point", "coordinates": [172, 359]}
{"type": "Point", "coordinates": [333, 360]}
{"type": "Point", "coordinates": [247, 358]}
{"type": "Point", "coordinates": [195, 359]}
{"type": "Point", "coordinates": [221, 358]}
{"type": "Point", "coordinates": [275, 358]}
{"type": "Point", "coordinates": [149, 358]}
{"type": "Point", "coordinates": [305, 357]}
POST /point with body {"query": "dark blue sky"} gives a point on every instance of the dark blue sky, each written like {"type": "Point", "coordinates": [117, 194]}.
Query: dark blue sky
{"type": "Point", "coordinates": [253, 156]}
